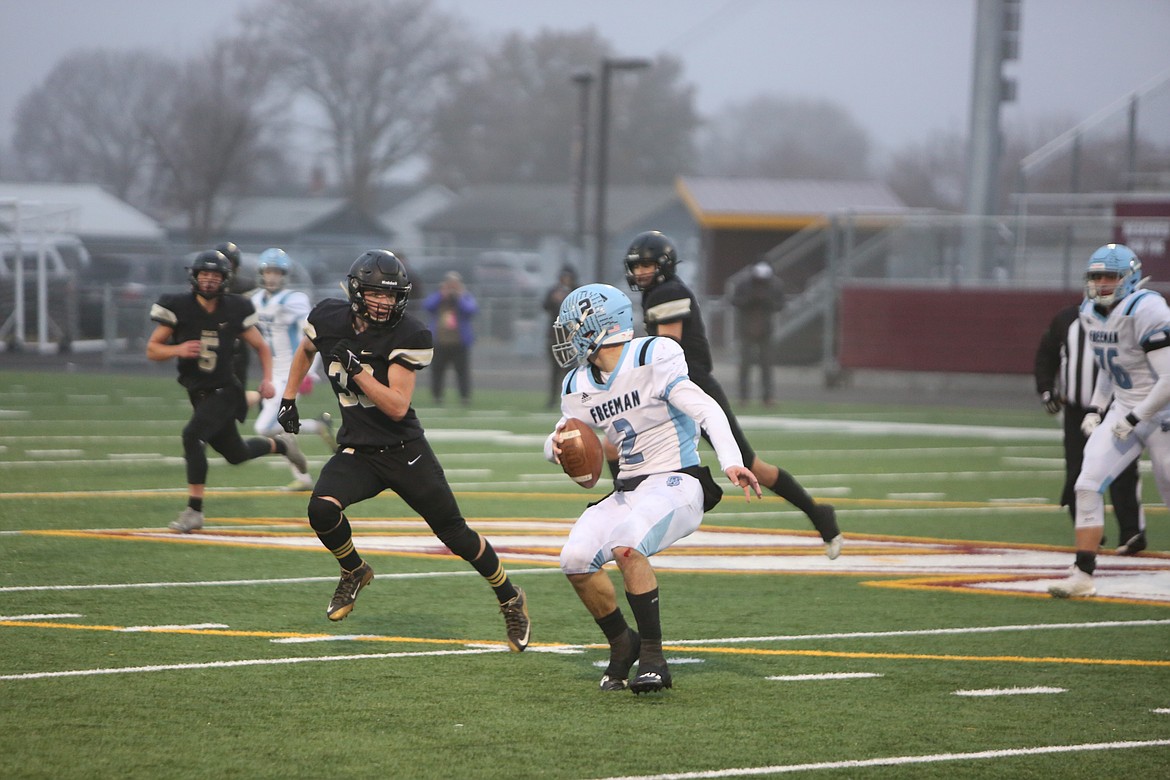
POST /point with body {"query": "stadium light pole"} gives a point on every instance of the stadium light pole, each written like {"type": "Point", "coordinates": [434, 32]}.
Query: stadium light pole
{"type": "Point", "coordinates": [584, 82]}
{"type": "Point", "coordinates": [608, 66]}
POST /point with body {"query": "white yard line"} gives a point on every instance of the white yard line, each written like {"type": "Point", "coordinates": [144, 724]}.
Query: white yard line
{"type": "Point", "coordinates": [1009, 691]}
{"type": "Point", "coordinates": [249, 662]}
{"type": "Point", "coordinates": [274, 581]}
{"type": "Point", "coordinates": [897, 760]}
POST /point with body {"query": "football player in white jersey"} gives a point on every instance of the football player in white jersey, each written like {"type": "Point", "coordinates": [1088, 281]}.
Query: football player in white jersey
{"type": "Point", "coordinates": [1129, 330]}
{"type": "Point", "coordinates": [635, 390]}
{"type": "Point", "coordinates": [282, 315]}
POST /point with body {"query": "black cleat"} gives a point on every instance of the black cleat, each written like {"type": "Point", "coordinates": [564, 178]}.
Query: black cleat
{"type": "Point", "coordinates": [348, 588]}
{"type": "Point", "coordinates": [621, 657]}
{"type": "Point", "coordinates": [1134, 545]}
{"type": "Point", "coordinates": [516, 621]}
{"type": "Point", "coordinates": [650, 679]}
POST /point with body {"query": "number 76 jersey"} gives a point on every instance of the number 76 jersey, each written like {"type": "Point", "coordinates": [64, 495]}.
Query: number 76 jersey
{"type": "Point", "coordinates": [1120, 340]}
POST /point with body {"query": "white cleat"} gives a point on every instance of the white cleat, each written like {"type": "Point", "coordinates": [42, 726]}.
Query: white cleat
{"type": "Point", "coordinates": [833, 547]}
{"type": "Point", "coordinates": [188, 520]}
{"type": "Point", "coordinates": [1077, 585]}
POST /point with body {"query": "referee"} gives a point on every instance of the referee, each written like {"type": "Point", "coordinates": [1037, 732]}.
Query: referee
{"type": "Point", "coordinates": [1065, 373]}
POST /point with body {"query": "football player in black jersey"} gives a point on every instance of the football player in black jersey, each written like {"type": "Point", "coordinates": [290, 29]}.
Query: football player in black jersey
{"type": "Point", "coordinates": [669, 308]}
{"type": "Point", "coordinates": [200, 328]}
{"type": "Point", "coordinates": [372, 350]}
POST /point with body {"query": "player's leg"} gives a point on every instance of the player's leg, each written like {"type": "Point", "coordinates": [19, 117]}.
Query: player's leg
{"type": "Point", "coordinates": [584, 554]}
{"type": "Point", "coordinates": [1125, 493]}
{"type": "Point", "coordinates": [345, 479]}
{"type": "Point", "coordinates": [1104, 459]}
{"type": "Point", "coordinates": [776, 479]}
{"type": "Point", "coordinates": [211, 414]}
{"type": "Point", "coordinates": [414, 473]}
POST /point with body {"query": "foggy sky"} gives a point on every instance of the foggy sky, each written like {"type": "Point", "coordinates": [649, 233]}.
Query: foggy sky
{"type": "Point", "coordinates": [901, 68]}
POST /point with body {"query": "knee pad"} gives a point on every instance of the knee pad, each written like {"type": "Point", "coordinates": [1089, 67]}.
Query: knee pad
{"type": "Point", "coordinates": [461, 540]}
{"type": "Point", "coordinates": [323, 515]}
{"type": "Point", "coordinates": [1090, 509]}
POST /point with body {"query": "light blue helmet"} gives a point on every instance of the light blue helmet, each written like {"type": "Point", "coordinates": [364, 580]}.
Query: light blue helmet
{"type": "Point", "coordinates": [274, 258]}
{"type": "Point", "coordinates": [1112, 263]}
{"type": "Point", "coordinates": [592, 316]}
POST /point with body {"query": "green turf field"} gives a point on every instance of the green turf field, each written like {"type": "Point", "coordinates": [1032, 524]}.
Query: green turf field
{"type": "Point", "coordinates": [129, 652]}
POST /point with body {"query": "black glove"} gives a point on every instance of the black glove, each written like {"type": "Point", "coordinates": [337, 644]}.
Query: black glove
{"type": "Point", "coordinates": [1051, 402]}
{"type": "Point", "coordinates": [288, 416]}
{"type": "Point", "coordinates": [345, 353]}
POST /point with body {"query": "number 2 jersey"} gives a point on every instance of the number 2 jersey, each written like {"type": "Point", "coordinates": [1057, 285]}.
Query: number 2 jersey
{"type": "Point", "coordinates": [649, 409]}
{"type": "Point", "coordinates": [1120, 340]}
{"type": "Point", "coordinates": [408, 344]}
{"type": "Point", "coordinates": [216, 332]}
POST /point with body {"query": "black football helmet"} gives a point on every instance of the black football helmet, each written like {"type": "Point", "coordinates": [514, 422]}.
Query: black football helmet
{"type": "Point", "coordinates": [378, 269]}
{"type": "Point", "coordinates": [655, 247]}
{"type": "Point", "coordinates": [231, 252]}
{"type": "Point", "coordinates": [210, 260]}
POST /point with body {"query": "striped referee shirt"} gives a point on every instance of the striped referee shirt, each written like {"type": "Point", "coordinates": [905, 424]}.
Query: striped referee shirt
{"type": "Point", "coordinates": [1064, 360]}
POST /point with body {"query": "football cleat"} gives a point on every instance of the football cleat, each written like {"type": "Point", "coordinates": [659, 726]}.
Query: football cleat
{"type": "Point", "coordinates": [1134, 545]}
{"type": "Point", "coordinates": [621, 657]}
{"type": "Point", "coordinates": [1077, 585]}
{"type": "Point", "coordinates": [833, 547]}
{"type": "Point", "coordinates": [348, 588]}
{"type": "Point", "coordinates": [516, 621]}
{"type": "Point", "coordinates": [650, 678]}
{"type": "Point", "coordinates": [293, 452]}
{"type": "Point", "coordinates": [302, 483]}
{"type": "Point", "coordinates": [326, 431]}
{"type": "Point", "coordinates": [188, 520]}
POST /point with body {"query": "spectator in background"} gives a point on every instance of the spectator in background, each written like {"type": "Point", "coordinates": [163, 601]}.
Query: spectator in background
{"type": "Point", "coordinates": [756, 299]}
{"type": "Point", "coordinates": [452, 309]}
{"type": "Point", "coordinates": [1065, 373]}
{"type": "Point", "coordinates": [565, 284]}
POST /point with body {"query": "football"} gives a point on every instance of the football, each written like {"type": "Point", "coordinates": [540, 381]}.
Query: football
{"type": "Point", "coordinates": [581, 456]}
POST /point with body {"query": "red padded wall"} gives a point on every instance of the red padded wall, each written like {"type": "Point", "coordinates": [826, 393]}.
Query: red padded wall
{"type": "Point", "coordinates": [992, 331]}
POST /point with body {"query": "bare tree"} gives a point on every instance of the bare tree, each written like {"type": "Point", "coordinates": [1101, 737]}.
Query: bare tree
{"type": "Point", "coordinates": [375, 69]}
{"type": "Point", "coordinates": [931, 173]}
{"type": "Point", "coordinates": [785, 138]}
{"type": "Point", "coordinates": [512, 119]}
{"type": "Point", "coordinates": [85, 122]}
{"type": "Point", "coordinates": [210, 134]}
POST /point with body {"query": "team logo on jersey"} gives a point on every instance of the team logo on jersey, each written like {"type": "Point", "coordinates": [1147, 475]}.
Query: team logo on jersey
{"type": "Point", "coordinates": [673, 481]}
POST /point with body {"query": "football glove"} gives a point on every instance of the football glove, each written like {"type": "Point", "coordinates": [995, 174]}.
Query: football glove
{"type": "Point", "coordinates": [1090, 423]}
{"type": "Point", "coordinates": [288, 416]}
{"type": "Point", "coordinates": [1051, 402]}
{"type": "Point", "coordinates": [1124, 427]}
{"type": "Point", "coordinates": [345, 353]}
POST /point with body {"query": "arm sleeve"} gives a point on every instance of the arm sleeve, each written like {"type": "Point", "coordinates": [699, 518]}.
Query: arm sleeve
{"type": "Point", "coordinates": [1102, 390]}
{"type": "Point", "coordinates": [1159, 395]}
